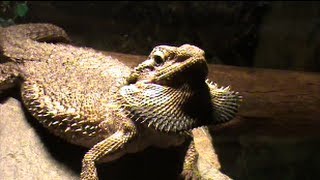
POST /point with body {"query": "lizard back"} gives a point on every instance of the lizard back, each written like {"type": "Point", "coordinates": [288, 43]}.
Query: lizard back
{"type": "Point", "coordinates": [67, 88]}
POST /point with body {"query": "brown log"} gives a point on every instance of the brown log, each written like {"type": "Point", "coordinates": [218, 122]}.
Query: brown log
{"type": "Point", "coordinates": [276, 103]}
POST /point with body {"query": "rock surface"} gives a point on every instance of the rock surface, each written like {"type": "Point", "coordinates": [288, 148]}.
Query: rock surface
{"type": "Point", "coordinates": [28, 151]}
{"type": "Point", "coordinates": [23, 153]}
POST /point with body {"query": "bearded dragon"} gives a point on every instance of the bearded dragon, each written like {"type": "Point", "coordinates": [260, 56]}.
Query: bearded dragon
{"type": "Point", "coordinates": [96, 101]}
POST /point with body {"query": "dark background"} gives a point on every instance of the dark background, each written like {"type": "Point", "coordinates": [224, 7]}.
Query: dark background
{"type": "Point", "coordinates": [277, 35]}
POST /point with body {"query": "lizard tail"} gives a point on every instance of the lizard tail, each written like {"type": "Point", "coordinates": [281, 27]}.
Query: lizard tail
{"type": "Point", "coordinates": [24, 41]}
{"type": "Point", "coordinates": [225, 102]}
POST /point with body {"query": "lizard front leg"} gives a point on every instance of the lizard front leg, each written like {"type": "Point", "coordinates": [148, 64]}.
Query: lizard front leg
{"type": "Point", "coordinates": [201, 160]}
{"type": "Point", "coordinates": [190, 170]}
{"type": "Point", "coordinates": [126, 130]}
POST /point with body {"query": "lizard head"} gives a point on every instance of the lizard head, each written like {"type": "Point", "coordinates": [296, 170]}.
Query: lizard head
{"type": "Point", "coordinates": [169, 92]}
{"type": "Point", "coordinates": [169, 65]}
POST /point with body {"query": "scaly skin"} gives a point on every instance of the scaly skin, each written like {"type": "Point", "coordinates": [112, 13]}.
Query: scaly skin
{"type": "Point", "coordinates": [95, 101]}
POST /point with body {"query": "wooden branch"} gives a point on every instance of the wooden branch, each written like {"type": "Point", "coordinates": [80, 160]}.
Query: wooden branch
{"type": "Point", "coordinates": [276, 102]}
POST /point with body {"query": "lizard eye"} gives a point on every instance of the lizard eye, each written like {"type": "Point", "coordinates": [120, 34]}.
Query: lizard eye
{"type": "Point", "coordinates": [158, 60]}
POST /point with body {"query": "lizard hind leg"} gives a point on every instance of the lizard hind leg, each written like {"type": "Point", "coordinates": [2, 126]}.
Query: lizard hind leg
{"type": "Point", "coordinates": [29, 41]}
{"type": "Point", "coordinates": [34, 31]}
{"type": "Point", "coordinates": [125, 132]}
{"type": "Point", "coordinates": [9, 74]}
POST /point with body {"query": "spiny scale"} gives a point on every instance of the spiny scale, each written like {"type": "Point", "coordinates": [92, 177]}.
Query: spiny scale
{"type": "Point", "coordinates": [162, 107]}
{"type": "Point", "coordinates": [158, 106]}
{"type": "Point", "coordinates": [225, 102]}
